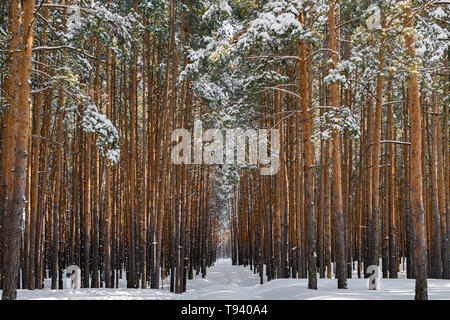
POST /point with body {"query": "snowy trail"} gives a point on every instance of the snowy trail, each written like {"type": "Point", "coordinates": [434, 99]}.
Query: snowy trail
{"type": "Point", "coordinates": [224, 282]}
{"type": "Point", "coordinates": [227, 282]}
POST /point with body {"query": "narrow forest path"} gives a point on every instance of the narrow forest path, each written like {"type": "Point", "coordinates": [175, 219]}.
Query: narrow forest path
{"type": "Point", "coordinates": [227, 282]}
{"type": "Point", "coordinates": [224, 282]}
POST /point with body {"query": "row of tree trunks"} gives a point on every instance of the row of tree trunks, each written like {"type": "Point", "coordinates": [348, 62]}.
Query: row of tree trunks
{"type": "Point", "coordinates": [374, 200]}
{"type": "Point", "coordinates": [146, 219]}
{"type": "Point", "coordinates": [82, 209]}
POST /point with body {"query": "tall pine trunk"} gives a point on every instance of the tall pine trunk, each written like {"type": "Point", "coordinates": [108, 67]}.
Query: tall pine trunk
{"type": "Point", "coordinates": [16, 138]}
{"type": "Point", "coordinates": [341, 274]}
{"type": "Point", "coordinates": [417, 211]}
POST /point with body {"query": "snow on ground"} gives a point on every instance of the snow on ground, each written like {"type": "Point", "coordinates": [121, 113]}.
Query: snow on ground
{"type": "Point", "coordinates": [227, 282]}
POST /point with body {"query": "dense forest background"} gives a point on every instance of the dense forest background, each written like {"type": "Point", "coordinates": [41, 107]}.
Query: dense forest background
{"type": "Point", "coordinates": [92, 90]}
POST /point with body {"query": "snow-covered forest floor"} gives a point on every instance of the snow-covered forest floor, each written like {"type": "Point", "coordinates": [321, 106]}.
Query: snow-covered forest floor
{"type": "Point", "coordinates": [227, 282]}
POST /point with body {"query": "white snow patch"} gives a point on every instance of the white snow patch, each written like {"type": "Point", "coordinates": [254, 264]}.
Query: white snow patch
{"type": "Point", "coordinates": [227, 282]}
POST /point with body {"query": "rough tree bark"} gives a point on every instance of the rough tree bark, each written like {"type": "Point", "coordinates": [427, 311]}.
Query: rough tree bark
{"type": "Point", "coordinates": [417, 211]}
{"type": "Point", "coordinates": [337, 165]}
{"type": "Point", "coordinates": [16, 138]}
